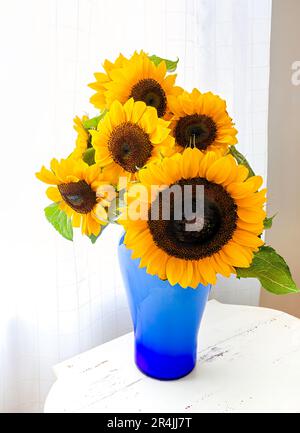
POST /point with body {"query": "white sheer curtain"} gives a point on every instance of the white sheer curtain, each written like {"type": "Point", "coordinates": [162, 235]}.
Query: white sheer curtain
{"type": "Point", "coordinates": [59, 298]}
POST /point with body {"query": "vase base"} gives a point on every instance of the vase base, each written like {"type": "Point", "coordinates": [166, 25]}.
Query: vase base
{"type": "Point", "coordinates": [163, 367]}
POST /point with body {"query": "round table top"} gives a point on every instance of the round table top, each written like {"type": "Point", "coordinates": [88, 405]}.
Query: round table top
{"type": "Point", "coordinates": [248, 361]}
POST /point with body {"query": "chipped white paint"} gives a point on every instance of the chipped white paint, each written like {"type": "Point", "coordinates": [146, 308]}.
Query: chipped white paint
{"type": "Point", "coordinates": [248, 361]}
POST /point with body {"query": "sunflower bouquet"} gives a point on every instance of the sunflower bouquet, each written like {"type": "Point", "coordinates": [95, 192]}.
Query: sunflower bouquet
{"type": "Point", "coordinates": [151, 137]}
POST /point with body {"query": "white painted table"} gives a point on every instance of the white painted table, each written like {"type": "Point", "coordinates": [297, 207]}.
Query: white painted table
{"type": "Point", "coordinates": [248, 361]}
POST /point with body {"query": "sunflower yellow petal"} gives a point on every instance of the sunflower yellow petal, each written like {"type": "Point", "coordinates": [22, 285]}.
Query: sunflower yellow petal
{"type": "Point", "coordinates": [138, 110]}
{"type": "Point", "coordinates": [128, 108]}
{"type": "Point", "coordinates": [208, 159]}
{"type": "Point", "coordinates": [248, 239]}
{"type": "Point", "coordinates": [53, 194]}
{"type": "Point", "coordinates": [116, 113]}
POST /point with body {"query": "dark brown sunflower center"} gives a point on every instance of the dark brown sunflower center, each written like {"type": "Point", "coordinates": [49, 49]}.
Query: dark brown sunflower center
{"type": "Point", "coordinates": [151, 92]}
{"type": "Point", "coordinates": [78, 195]}
{"type": "Point", "coordinates": [197, 236]}
{"type": "Point", "coordinates": [196, 129]}
{"type": "Point", "coordinates": [130, 146]}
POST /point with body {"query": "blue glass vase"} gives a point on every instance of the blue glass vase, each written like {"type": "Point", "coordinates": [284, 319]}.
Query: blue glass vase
{"type": "Point", "coordinates": [166, 320]}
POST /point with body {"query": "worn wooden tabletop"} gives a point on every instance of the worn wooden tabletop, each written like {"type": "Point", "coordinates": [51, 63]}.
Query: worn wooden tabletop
{"type": "Point", "coordinates": [248, 361]}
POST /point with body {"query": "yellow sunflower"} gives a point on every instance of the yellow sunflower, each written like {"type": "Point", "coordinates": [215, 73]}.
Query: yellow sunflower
{"type": "Point", "coordinates": [138, 78]}
{"type": "Point", "coordinates": [84, 139]}
{"type": "Point", "coordinates": [130, 136]}
{"type": "Point", "coordinates": [201, 120]}
{"type": "Point", "coordinates": [229, 228]}
{"type": "Point", "coordinates": [76, 190]}
{"type": "Point", "coordinates": [102, 78]}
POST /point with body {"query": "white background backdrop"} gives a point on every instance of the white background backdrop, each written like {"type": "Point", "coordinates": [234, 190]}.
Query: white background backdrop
{"type": "Point", "coordinates": [59, 298]}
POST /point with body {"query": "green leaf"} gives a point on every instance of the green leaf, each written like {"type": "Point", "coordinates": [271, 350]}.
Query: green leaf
{"type": "Point", "coordinates": [93, 123]}
{"type": "Point", "coordinates": [60, 221]}
{"type": "Point", "coordinates": [89, 156]}
{"type": "Point", "coordinates": [171, 64]}
{"type": "Point", "coordinates": [271, 270]}
{"type": "Point", "coordinates": [268, 222]}
{"type": "Point", "coordinates": [93, 238]}
{"type": "Point", "coordinates": [241, 160]}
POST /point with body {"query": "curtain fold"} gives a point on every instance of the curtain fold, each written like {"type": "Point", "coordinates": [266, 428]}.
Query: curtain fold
{"type": "Point", "coordinates": [59, 298]}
